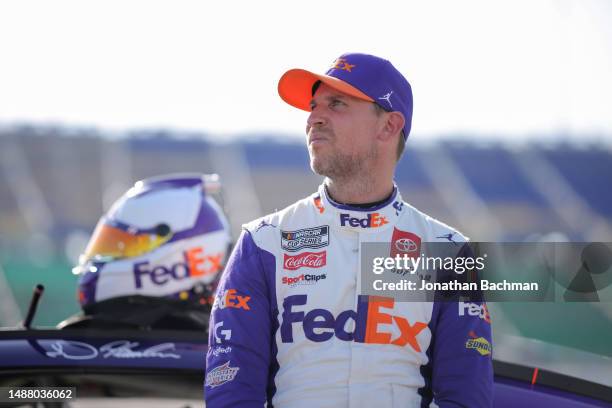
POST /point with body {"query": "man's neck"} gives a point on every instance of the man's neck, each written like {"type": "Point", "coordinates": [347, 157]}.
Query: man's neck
{"type": "Point", "coordinates": [358, 191]}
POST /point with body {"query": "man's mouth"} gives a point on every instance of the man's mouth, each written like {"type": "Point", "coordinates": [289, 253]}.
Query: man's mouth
{"type": "Point", "coordinates": [316, 138]}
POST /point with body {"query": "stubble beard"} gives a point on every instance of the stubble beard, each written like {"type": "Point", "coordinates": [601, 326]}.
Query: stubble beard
{"type": "Point", "coordinates": [339, 166]}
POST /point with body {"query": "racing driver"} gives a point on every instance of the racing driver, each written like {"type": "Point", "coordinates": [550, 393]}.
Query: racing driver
{"type": "Point", "coordinates": [291, 326]}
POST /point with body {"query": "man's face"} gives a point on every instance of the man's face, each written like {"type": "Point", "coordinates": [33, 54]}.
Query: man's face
{"type": "Point", "coordinates": [341, 134]}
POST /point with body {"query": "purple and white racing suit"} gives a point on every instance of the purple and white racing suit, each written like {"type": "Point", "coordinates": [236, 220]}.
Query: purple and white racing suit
{"type": "Point", "coordinates": [291, 328]}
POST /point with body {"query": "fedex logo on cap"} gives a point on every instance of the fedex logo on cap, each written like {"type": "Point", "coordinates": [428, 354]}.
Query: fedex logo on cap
{"type": "Point", "coordinates": [321, 325]}
{"type": "Point", "coordinates": [373, 220]}
{"type": "Point", "coordinates": [342, 63]}
{"type": "Point", "coordinates": [195, 264]}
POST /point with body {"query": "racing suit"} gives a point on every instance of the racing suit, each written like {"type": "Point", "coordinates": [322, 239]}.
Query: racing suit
{"type": "Point", "coordinates": [290, 326]}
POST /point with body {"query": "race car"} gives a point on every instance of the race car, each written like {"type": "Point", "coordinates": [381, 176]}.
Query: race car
{"type": "Point", "coordinates": [132, 367]}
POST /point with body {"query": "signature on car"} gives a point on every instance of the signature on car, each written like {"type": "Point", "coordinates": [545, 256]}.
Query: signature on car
{"type": "Point", "coordinates": [77, 350]}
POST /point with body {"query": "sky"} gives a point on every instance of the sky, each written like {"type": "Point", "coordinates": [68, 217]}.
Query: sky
{"type": "Point", "coordinates": [501, 69]}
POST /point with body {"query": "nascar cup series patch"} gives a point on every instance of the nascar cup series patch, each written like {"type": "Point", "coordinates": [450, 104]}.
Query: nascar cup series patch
{"type": "Point", "coordinates": [316, 237]}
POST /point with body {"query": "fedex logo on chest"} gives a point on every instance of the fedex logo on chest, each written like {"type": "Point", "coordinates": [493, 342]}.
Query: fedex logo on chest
{"type": "Point", "coordinates": [372, 220]}
{"type": "Point", "coordinates": [370, 323]}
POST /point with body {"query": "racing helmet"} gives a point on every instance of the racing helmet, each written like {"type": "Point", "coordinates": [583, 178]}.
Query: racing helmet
{"type": "Point", "coordinates": [165, 237]}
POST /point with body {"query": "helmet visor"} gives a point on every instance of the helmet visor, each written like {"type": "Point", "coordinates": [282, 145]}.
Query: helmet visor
{"type": "Point", "coordinates": [113, 240]}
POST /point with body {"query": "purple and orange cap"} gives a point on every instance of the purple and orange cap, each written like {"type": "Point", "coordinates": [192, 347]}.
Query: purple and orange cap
{"type": "Point", "coordinates": [362, 76]}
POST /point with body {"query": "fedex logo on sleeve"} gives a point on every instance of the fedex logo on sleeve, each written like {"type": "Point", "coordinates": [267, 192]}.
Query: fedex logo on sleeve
{"type": "Point", "coordinates": [373, 220]}
{"type": "Point", "coordinates": [474, 309]}
{"type": "Point", "coordinates": [229, 298]}
{"type": "Point", "coordinates": [321, 325]}
{"type": "Point", "coordinates": [195, 264]}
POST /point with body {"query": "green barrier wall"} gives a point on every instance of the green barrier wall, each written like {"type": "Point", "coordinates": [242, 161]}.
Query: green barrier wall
{"type": "Point", "coordinates": [59, 299]}
{"type": "Point", "coordinates": [578, 325]}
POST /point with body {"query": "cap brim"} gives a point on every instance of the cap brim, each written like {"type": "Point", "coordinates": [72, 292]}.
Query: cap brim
{"type": "Point", "coordinates": [295, 87]}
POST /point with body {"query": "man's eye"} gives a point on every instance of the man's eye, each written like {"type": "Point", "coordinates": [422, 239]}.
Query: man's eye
{"type": "Point", "coordinates": [336, 102]}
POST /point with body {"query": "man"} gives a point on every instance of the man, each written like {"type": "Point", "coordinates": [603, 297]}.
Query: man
{"type": "Point", "coordinates": [290, 303]}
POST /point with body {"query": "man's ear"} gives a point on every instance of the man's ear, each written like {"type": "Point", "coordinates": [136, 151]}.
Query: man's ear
{"type": "Point", "coordinates": [394, 123]}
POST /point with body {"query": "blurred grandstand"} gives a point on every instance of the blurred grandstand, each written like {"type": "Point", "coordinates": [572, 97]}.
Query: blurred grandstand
{"type": "Point", "coordinates": [55, 182]}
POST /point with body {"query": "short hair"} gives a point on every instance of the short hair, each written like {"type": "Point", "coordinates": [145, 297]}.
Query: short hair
{"type": "Point", "coordinates": [401, 143]}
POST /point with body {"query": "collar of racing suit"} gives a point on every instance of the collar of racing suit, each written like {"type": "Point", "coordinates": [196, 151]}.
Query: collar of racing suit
{"type": "Point", "coordinates": [373, 219]}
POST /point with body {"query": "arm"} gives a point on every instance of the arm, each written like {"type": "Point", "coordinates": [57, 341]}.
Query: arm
{"type": "Point", "coordinates": [240, 355]}
{"type": "Point", "coordinates": [460, 369]}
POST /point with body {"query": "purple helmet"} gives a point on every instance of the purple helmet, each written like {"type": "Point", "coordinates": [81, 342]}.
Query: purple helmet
{"type": "Point", "coordinates": [165, 237]}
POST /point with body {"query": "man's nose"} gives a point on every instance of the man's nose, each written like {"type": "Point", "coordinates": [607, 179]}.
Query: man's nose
{"type": "Point", "coordinates": [315, 118]}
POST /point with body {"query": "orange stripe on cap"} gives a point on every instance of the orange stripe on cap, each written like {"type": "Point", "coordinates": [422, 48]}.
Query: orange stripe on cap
{"type": "Point", "coordinates": [295, 87]}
